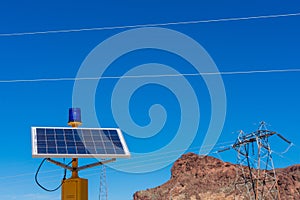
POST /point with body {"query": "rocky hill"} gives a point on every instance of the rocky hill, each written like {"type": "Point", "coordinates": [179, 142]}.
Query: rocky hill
{"type": "Point", "coordinates": [196, 177]}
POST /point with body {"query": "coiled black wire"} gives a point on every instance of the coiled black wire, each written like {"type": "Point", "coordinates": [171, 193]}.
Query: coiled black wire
{"type": "Point", "coordinates": [49, 190]}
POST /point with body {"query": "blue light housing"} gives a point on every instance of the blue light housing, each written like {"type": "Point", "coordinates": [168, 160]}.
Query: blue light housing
{"type": "Point", "coordinates": [74, 115]}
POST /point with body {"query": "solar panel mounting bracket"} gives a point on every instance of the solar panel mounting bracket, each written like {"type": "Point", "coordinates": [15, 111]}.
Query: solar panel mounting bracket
{"type": "Point", "coordinates": [82, 167]}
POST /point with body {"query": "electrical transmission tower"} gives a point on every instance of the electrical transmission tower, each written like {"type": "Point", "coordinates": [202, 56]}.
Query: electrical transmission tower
{"type": "Point", "coordinates": [256, 177]}
{"type": "Point", "coordinates": [103, 185]}
{"type": "Point", "coordinates": [255, 173]}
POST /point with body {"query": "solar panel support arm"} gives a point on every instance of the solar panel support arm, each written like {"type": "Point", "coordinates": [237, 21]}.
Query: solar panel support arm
{"type": "Point", "coordinates": [96, 164]}
{"type": "Point", "coordinates": [82, 167]}
{"type": "Point", "coordinates": [60, 164]}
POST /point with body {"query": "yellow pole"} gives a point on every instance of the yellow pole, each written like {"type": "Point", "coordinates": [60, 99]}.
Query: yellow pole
{"type": "Point", "coordinates": [74, 160]}
{"type": "Point", "coordinates": [75, 166]}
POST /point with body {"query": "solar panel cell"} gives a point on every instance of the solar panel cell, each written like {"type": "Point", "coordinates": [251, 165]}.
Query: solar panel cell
{"type": "Point", "coordinates": [51, 150]}
{"type": "Point", "coordinates": [42, 150]}
{"type": "Point", "coordinates": [61, 150]}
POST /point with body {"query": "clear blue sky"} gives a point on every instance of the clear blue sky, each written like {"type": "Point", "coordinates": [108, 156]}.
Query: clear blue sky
{"type": "Point", "coordinates": [242, 45]}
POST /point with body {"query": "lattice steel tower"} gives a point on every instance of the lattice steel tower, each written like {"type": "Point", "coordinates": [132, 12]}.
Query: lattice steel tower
{"type": "Point", "coordinates": [103, 194]}
{"type": "Point", "coordinates": [255, 171]}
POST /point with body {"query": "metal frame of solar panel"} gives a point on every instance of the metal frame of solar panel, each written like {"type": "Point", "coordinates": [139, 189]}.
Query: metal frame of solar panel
{"type": "Point", "coordinates": [66, 142]}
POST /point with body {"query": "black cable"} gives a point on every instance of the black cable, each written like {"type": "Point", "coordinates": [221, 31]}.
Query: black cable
{"type": "Point", "coordinates": [50, 190]}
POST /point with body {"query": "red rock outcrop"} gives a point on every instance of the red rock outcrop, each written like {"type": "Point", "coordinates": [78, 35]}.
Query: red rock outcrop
{"type": "Point", "coordinates": [195, 177]}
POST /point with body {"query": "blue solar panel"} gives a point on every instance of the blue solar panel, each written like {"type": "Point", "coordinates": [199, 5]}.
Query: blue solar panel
{"type": "Point", "coordinates": [78, 142]}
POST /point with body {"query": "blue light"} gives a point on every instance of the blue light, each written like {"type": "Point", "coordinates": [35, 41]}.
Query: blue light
{"type": "Point", "coordinates": [74, 115]}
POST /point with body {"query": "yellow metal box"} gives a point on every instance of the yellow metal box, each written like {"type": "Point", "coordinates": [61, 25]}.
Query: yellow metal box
{"type": "Point", "coordinates": [75, 189]}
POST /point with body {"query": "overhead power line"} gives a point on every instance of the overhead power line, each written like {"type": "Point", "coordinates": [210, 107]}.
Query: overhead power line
{"type": "Point", "coordinates": [151, 76]}
{"type": "Point", "coordinates": [151, 25]}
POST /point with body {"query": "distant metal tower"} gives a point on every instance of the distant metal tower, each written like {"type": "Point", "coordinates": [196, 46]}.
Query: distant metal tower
{"type": "Point", "coordinates": [255, 171]}
{"type": "Point", "coordinates": [103, 185]}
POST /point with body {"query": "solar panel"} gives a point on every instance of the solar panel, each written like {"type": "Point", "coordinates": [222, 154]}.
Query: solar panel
{"type": "Point", "coordinates": [58, 142]}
